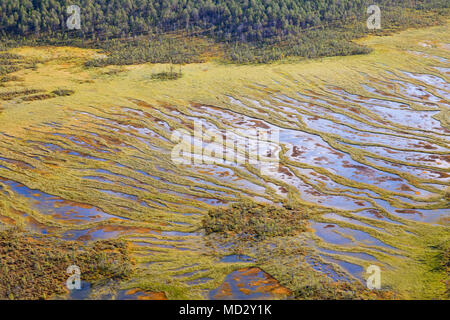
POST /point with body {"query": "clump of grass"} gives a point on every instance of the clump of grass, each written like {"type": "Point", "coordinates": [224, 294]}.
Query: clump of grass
{"type": "Point", "coordinates": [9, 56]}
{"type": "Point", "coordinates": [63, 92]}
{"type": "Point", "coordinates": [17, 93]}
{"type": "Point", "coordinates": [34, 266]}
{"type": "Point", "coordinates": [36, 97]}
{"type": "Point", "coordinates": [9, 63]}
{"type": "Point", "coordinates": [445, 246]}
{"type": "Point", "coordinates": [443, 261]}
{"type": "Point", "coordinates": [325, 289]}
{"type": "Point", "coordinates": [113, 72]}
{"type": "Point", "coordinates": [253, 221]}
{"type": "Point", "coordinates": [167, 75]}
{"type": "Point", "coordinates": [5, 69]}
{"type": "Point", "coordinates": [9, 78]}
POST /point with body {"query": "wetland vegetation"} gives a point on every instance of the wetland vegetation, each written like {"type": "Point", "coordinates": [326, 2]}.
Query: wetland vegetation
{"type": "Point", "coordinates": [86, 133]}
{"type": "Point", "coordinates": [253, 221]}
{"type": "Point", "coordinates": [34, 266]}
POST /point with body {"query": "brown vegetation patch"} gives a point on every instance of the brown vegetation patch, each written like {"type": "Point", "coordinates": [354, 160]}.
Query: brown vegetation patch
{"type": "Point", "coordinates": [14, 94]}
{"type": "Point", "coordinates": [253, 221]}
{"type": "Point", "coordinates": [35, 266]}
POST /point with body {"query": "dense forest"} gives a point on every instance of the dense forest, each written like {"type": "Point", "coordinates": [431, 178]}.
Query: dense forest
{"type": "Point", "coordinates": [249, 28]}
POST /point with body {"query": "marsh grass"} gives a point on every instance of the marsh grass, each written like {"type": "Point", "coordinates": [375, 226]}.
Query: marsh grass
{"type": "Point", "coordinates": [10, 63]}
{"type": "Point", "coordinates": [167, 75]}
{"type": "Point", "coordinates": [325, 289]}
{"type": "Point", "coordinates": [17, 93]}
{"type": "Point", "coordinates": [407, 266]}
{"type": "Point", "coordinates": [5, 69]}
{"type": "Point", "coordinates": [63, 92]}
{"type": "Point", "coordinates": [441, 261]}
{"type": "Point", "coordinates": [9, 78]}
{"type": "Point", "coordinates": [37, 97]}
{"type": "Point", "coordinates": [250, 220]}
{"type": "Point", "coordinates": [34, 266]}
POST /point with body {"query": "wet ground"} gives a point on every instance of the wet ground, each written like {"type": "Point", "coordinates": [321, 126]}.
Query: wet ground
{"type": "Point", "coordinates": [373, 162]}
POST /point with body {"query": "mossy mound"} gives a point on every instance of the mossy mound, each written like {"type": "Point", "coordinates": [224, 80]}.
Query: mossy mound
{"type": "Point", "coordinates": [254, 221]}
{"type": "Point", "coordinates": [167, 75]}
{"type": "Point", "coordinates": [35, 267]}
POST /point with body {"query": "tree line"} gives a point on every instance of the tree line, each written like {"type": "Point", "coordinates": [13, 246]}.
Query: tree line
{"type": "Point", "coordinates": [249, 28]}
{"type": "Point", "coordinates": [246, 20]}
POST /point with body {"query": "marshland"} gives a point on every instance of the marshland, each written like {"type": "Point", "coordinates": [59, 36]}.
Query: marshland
{"type": "Point", "coordinates": [87, 175]}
